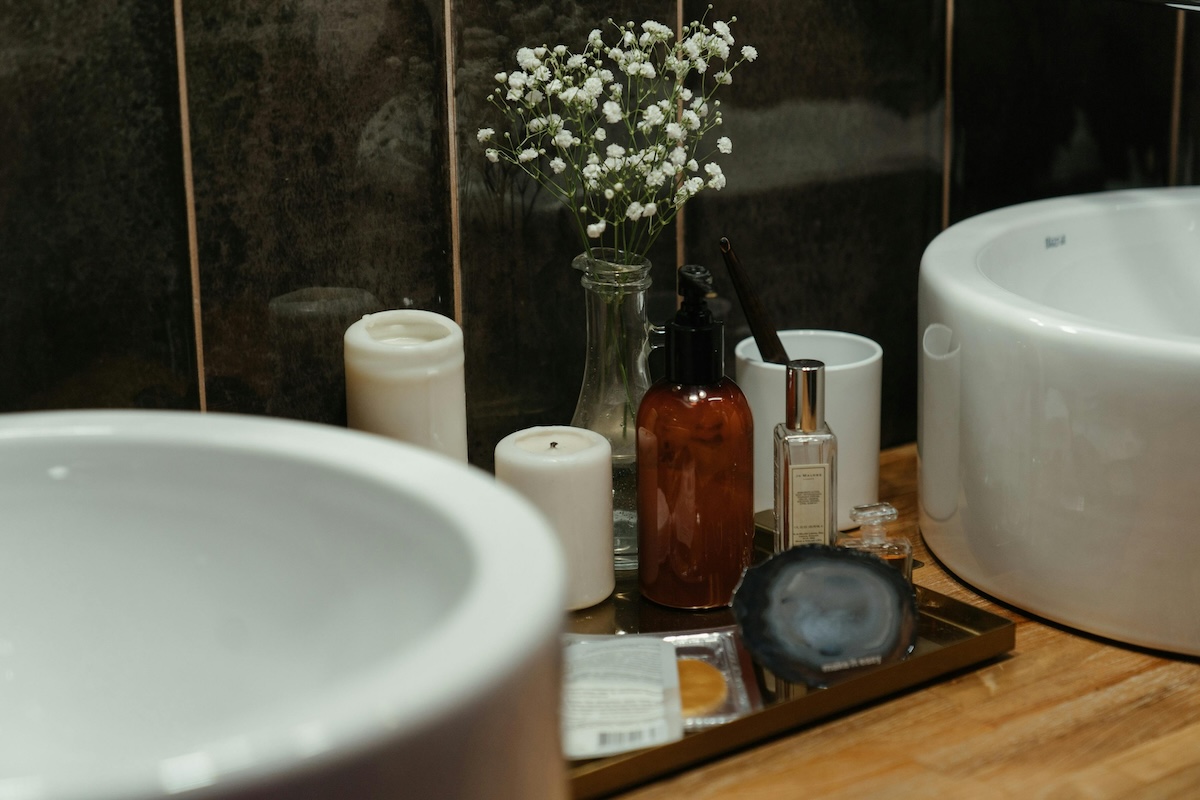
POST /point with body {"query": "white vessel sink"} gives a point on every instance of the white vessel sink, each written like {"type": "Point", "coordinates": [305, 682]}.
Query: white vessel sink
{"type": "Point", "coordinates": [1059, 414]}
{"type": "Point", "coordinates": [246, 607]}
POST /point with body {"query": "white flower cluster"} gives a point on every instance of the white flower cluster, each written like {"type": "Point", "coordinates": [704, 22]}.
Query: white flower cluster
{"type": "Point", "coordinates": [615, 132]}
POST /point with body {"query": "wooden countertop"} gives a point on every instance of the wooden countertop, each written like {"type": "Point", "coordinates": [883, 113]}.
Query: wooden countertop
{"type": "Point", "coordinates": [1064, 715]}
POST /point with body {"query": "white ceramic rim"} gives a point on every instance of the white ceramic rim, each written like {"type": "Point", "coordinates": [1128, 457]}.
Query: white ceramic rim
{"type": "Point", "coordinates": [522, 564]}
{"type": "Point", "coordinates": [951, 262]}
{"type": "Point", "coordinates": [747, 349]}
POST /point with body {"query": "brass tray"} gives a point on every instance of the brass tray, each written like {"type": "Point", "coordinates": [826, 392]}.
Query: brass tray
{"type": "Point", "coordinates": [952, 635]}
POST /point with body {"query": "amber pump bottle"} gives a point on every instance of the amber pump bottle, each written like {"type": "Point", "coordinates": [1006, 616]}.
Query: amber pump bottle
{"type": "Point", "coordinates": [695, 443]}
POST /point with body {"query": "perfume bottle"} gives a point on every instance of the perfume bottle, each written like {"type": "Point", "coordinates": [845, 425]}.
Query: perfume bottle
{"type": "Point", "coordinates": [695, 456]}
{"type": "Point", "coordinates": [805, 462]}
{"type": "Point", "coordinates": [873, 538]}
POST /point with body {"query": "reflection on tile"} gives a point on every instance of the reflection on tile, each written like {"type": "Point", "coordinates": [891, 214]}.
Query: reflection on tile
{"type": "Point", "coordinates": [833, 183]}
{"type": "Point", "coordinates": [523, 313]}
{"type": "Point", "coordinates": [95, 307]}
{"type": "Point", "coordinates": [319, 149]}
{"type": "Point", "coordinates": [1041, 107]}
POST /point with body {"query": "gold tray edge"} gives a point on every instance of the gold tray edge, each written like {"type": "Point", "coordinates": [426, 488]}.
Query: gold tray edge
{"type": "Point", "coordinates": [603, 777]}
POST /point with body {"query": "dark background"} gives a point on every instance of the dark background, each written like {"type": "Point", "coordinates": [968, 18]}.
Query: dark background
{"type": "Point", "coordinates": [321, 148]}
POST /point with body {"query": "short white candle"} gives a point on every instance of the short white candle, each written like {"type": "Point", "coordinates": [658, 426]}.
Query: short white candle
{"type": "Point", "coordinates": [567, 473]}
{"type": "Point", "coordinates": [404, 379]}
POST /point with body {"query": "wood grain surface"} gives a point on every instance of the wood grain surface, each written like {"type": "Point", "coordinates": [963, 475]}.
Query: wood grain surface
{"type": "Point", "coordinates": [1064, 715]}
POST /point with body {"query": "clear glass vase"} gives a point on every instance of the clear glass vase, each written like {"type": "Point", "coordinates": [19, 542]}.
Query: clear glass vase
{"type": "Point", "coordinates": [615, 376]}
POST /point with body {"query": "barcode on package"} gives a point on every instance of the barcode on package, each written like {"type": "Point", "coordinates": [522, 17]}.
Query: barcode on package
{"type": "Point", "coordinates": [649, 737]}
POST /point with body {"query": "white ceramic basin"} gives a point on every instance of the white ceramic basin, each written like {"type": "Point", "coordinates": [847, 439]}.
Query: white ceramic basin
{"type": "Point", "coordinates": [1059, 422]}
{"type": "Point", "coordinates": [249, 607]}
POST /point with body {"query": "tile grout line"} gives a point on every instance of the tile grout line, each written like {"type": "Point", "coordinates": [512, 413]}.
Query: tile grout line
{"type": "Point", "coordinates": [948, 116]}
{"type": "Point", "coordinates": [1176, 100]}
{"type": "Point", "coordinates": [452, 162]}
{"type": "Point", "coordinates": [189, 190]}
{"type": "Point", "coordinates": [681, 217]}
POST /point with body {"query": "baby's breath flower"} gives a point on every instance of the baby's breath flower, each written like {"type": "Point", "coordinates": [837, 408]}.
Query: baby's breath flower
{"type": "Point", "coordinates": [527, 59]}
{"type": "Point", "coordinates": [651, 117]}
{"type": "Point", "coordinates": [716, 179]}
{"type": "Point", "coordinates": [612, 131]}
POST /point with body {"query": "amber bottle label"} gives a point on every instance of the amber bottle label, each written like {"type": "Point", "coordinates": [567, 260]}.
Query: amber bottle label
{"type": "Point", "coordinates": [808, 496]}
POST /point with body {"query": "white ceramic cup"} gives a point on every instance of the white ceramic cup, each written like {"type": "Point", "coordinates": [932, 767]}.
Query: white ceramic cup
{"type": "Point", "coordinates": [853, 383]}
{"type": "Point", "coordinates": [404, 379]}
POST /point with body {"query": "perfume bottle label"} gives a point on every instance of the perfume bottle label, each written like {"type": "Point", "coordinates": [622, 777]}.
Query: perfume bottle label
{"type": "Point", "coordinates": [808, 495]}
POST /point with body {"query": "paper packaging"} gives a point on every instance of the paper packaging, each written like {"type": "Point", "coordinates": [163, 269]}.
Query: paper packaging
{"type": "Point", "coordinates": [620, 693]}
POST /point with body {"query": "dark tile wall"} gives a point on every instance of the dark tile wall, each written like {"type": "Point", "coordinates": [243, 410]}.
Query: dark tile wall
{"type": "Point", "coordinates": [1044, 107]}
{"type": "Point", "coordinates": [324, 178]}
{"type": "Point", "coordinates": [319, 139]}
{"type": "Point", "coordinates": [95, 288]}
{"type": "Point", "coordinates": [1188, 155]}
{"type": "Point", "coordinates": [834, 181]}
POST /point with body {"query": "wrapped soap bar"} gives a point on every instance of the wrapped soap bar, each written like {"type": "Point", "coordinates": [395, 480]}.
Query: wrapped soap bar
{"type": "Point", "coordinates": [620, 693]}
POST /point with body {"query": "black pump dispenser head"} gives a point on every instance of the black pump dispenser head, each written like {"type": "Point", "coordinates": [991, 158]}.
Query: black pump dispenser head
{"type": "Point", "coordinates": [695, 341]}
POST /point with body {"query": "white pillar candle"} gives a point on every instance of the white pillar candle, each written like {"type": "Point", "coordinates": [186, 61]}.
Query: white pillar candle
{"type": "Point", "coordinates": [567, 473]}
{"type": "Point", "coordinates": [404, 379]}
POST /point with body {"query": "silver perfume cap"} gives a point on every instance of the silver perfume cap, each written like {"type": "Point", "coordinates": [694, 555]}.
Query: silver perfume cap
{"type": "Point", "coordinates": [806, 395]}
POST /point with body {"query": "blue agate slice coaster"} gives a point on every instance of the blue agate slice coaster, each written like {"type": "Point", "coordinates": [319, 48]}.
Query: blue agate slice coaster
{"type": "Point", "coordinates": [816, 613]}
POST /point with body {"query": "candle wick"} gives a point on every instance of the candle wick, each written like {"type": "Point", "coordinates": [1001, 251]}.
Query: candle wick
{"type": "Point", "coordinates": [553, 445]}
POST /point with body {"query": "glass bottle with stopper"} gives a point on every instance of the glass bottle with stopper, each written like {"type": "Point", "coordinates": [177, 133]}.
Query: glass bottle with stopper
{"type": "Point", "coordinates": [874, 539]}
